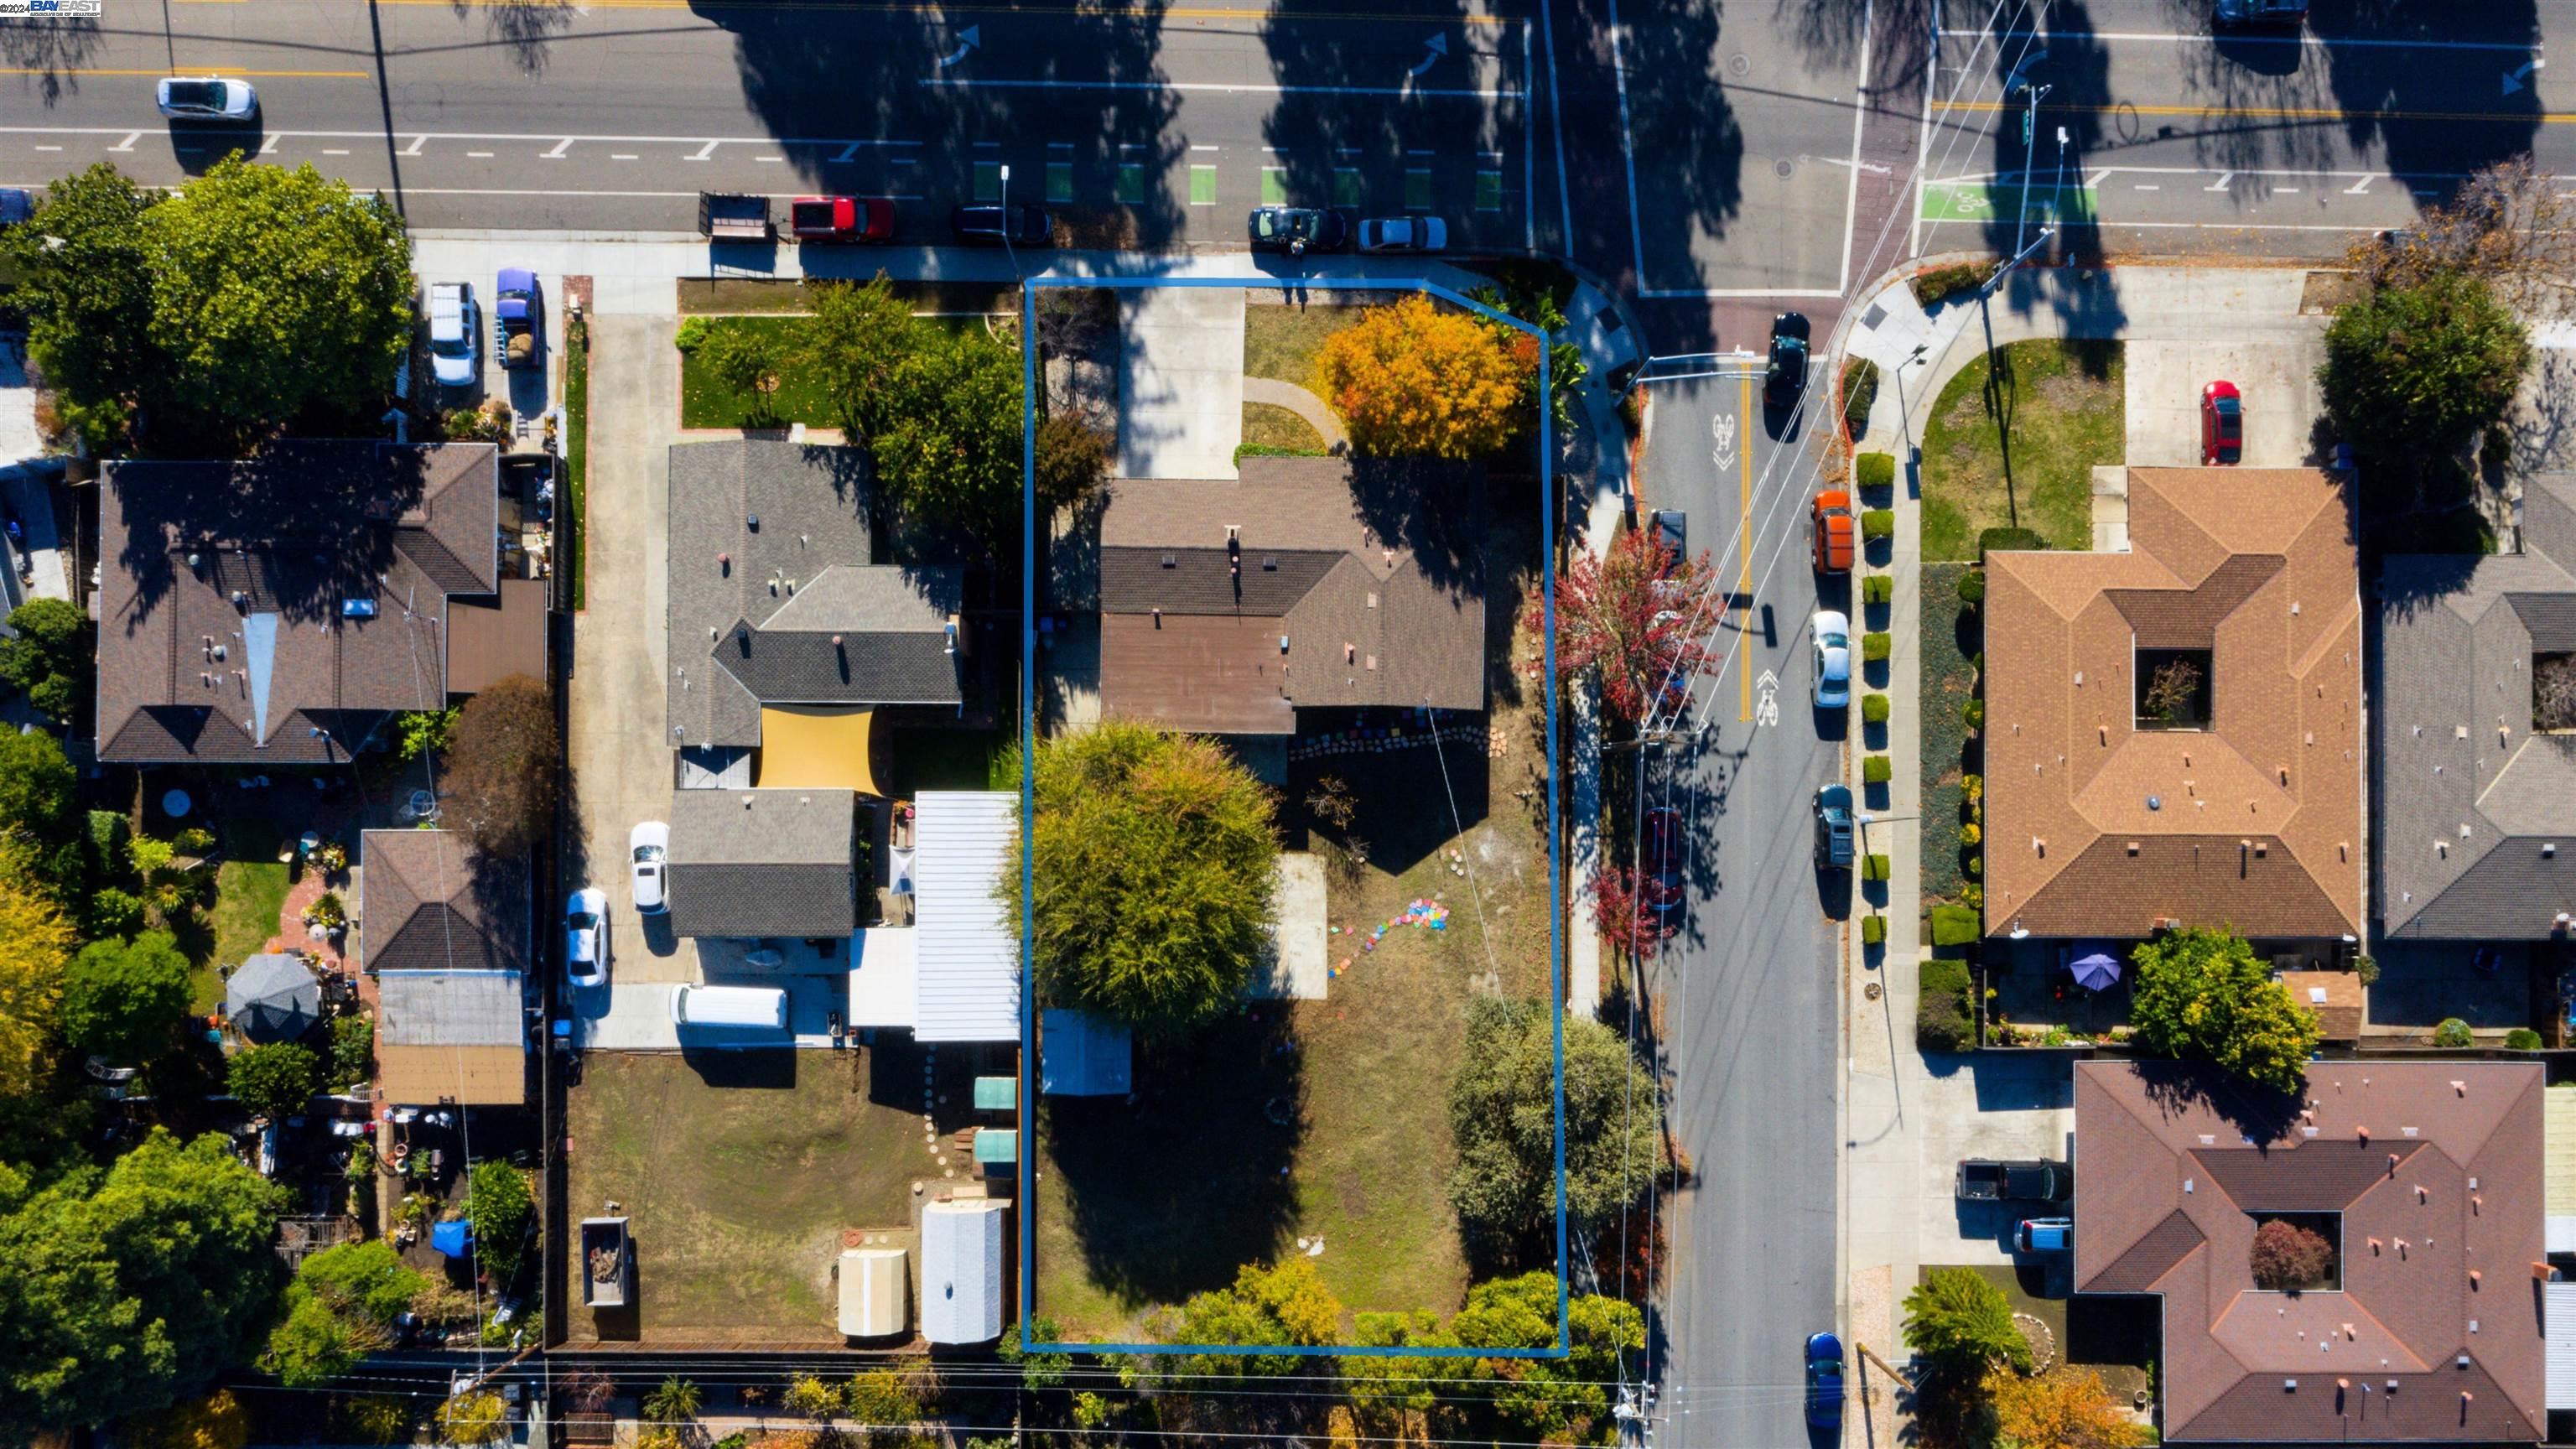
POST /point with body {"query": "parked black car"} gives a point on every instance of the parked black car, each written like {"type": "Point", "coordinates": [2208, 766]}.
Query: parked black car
{"type": "Point", "coordinates": [993, 224]}
{"type": "Point", "coordinates": [1786, 376]}
{"type": "Point", "coordinates": [1298, 230]}
{"type": "Point", "coordinates": [1984, 1180]}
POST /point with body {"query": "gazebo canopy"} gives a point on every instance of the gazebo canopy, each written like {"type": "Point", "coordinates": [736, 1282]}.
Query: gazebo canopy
{"type": "Point", "coordinates": [273, 998]}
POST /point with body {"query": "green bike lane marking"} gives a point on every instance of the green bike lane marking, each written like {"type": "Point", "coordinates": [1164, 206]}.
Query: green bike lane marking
{"type": "Point", "coordinates": [1984, 200]}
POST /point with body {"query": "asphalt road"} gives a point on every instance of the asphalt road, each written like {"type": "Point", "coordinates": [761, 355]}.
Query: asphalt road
{"type": "Point", "coordinates": [1749, 989]}
{"type": "Point", "coordinates": [1148, 125]}
{"type": "Point", "coordinates": [2277, 144]}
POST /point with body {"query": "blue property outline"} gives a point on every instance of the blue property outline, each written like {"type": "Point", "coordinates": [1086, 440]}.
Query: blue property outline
{"type": "Point", "coordinates": [1029, 288]}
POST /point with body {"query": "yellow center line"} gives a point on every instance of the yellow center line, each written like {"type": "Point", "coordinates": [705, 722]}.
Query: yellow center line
{"type": "Point", "coordinates": [2267, 113]}
{"type": "Point", "coordinates": [1744, 537]}
{"type": "Point", "coordinates": [195, 70]}
{"type": "Point", "coordinates": [894, 7]}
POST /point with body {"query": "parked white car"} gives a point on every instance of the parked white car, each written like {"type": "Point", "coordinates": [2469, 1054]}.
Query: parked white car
{"type": "Point", "coordinates": [1830, 634]}
{"type": "Point", "coordinates": [455, 334]}
{"type": "Point", "coordinates": [586, 937]}
{"type": "Point", "coordinates": [649, 847]}
{"type": "Point", "coordinates": [206, 98]}
{"type": "Point", "coordinates": [1404, 234]}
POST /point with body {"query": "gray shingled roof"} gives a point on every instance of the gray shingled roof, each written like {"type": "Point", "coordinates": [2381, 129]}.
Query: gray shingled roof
{"type": "Point", "coordinates": [764, 862]}
{"type": "Point", "coordinates": [2476, 816]}
{"type": "Point", "coordinates": [752, 608]}
{"type": "Point", "coordinates": [429, 902]}
{"type": "Point", "coordinates": [264, 559]}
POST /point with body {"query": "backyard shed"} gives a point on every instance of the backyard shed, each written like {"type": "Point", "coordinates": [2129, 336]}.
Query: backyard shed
{"type": "Point", "coordinates": [451, 1036]}
{"type": "Point", "coordinates": [961, 1270]}
{"type": "Point", "coordinates": [1082, 1055]}
{"type": "Point", "coordinates": [872, 1292]}
{"type": "Point", "coordinates": [273, 998]}
{"type": "Point", "coordinates": [967, 959]}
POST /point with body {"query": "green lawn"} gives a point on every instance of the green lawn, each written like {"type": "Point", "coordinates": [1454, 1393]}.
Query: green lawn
{"type": "Point", "coordinates": [568, 514]}
{"type": "Point", "coordinates": [2063, 406]}
{"type": "Point", "coordinates": [1281, 341]}
{"type": "Point", "coordinates": [741, 1170]}
{"type": "Point", "coordinates": [250, 887]}
{"type": "Point", "coordinates": [1267, 425]}
{"type": "Point", "coordinates": [1948, 682]}
{"type": "Point", "coordinates": [799, 398]}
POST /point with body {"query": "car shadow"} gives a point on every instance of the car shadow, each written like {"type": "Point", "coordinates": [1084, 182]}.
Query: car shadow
{"type": "Point", "coordinates": [198, 147]}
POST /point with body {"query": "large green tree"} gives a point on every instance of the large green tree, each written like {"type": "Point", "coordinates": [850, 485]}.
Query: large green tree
{"type": "Point", "coordinates": [1153, 875]}
{"type": "Point", "coordinates": [1284, 1305]}
{"type": "Point", "coordinates": [35, 947]}
{"type": "Point", "coordinates": [2202, 995]}
{"type": "Point", "coordinates": [1962, 1323]}
{"type": "Point", "coordinates": [86, 290]}
{"type": "Point", "coordinates": [2412, 371]}
{"type": "Point", "coordinates": [48, 657]}
{"type": "Point", "coordinates": [339, 1309]}
{"type": "Point", "coordinates": [503, 756]}
{"type": "Point", "coordinates": [130, 1288]}
{"type": "Point", "coordinates": [500, 1208]}
{"type": "Point", "coordinates": [123, 1000]}
{"type": "Point", "coordinates": [1502, 1114]}
{"type": "Point", "coordinates": [273, 1081]}
{"type": "Point", "coordinates": [1550, 1399]}
{"type": "Point", "coordinates": [275, 294]}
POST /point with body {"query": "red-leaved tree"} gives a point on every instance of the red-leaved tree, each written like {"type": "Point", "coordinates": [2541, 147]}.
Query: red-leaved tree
{"type": "Point", "coordinates": [1623, 909]}
{"type": "Point", "coordinates": [1641, 618]}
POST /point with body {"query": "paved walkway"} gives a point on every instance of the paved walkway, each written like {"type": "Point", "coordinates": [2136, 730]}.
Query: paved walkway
{"type": "Point", "coordinates": [1304, 404]}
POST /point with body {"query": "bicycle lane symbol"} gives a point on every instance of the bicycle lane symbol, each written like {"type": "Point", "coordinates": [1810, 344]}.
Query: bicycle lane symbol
{"type": "Point", "coordinates": [1722, 428]}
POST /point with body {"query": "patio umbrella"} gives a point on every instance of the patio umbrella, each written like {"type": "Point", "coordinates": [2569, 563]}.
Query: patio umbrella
{"type": "Point", "coordinates": [273, 998]}
{"type": "Point", "coordinates": [2095, 970]}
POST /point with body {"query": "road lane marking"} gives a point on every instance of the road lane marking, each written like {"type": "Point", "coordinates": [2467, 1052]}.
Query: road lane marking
{"type": "Point", "coordinates": [2319, 42]}
{"type": "Point", "coordinates": [2221, 183]}
{"type": "Point", "coordinates": [706, 151]}
{"type": "Point", "coordinates": [479, 155]}
{"type": "Point", "coordinates": [2264, 113]}
{"type": "Point", "coordinates": [128, 143]}
{"type": "Point", "coordinates": [335, 150]}
{"type": "Point", "coordinates": [2144, 186]}
{"type": "Point", "coordinates": [625, 156]}
{"type": "Point", "coordinates": [1494, 93]}
{"type": "Point", "coordinates": [270, 144]}
{"type": "Point", "coordinates": [557, 154]}
{"type": "Point", "coordinates": [1744, 531]}
{"type": "Point", "coordinates": [2358, 187]}
{"type": "Point", "coordinates": [416, 143]}
{"type": "Point", "coordinates": [49, 148]}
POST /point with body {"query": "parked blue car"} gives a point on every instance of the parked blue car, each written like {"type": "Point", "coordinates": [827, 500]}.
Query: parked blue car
{"type": "Point", "coordinates": [1824, 1381]}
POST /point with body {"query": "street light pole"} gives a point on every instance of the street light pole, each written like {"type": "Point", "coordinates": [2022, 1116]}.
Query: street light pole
{"type": "Point", "coordinates": [1006, 220]}
{"type": "Point", "coordinates": [1905, 420]}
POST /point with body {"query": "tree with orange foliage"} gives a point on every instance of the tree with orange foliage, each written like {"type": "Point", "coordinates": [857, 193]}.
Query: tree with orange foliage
{"type": "Point", "coordinates": [1414, 380]}
{"type": "Point", "coordinates": [1642, 617]}
{"type": "Point", "coordinates": [2061, 1410]}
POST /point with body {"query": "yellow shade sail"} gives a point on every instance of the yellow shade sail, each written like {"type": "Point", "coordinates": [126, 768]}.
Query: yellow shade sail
{"type": "Point", "coordinates": [816, 747]}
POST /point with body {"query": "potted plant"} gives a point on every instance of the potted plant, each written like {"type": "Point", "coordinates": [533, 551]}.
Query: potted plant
{"type": "Point", "coordinates": [331, 857]}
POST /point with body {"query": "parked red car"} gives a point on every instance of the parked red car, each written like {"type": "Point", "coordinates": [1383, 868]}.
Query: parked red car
{"type": "Point", "coordinates": [1662, 885]}
{"type": "Point", "coordinates": [2222, 424]}
{"type": "Point", "coordinates": [840, 219]}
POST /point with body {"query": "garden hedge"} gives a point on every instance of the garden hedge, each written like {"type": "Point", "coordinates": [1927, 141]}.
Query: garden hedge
{"type": "Point", "coordinates": [2008, 540]}
{"type": "Point", "coordinates": [1874, 646]}
{"type": "Point", "coordinates": [2453, 1032]}
{"type": "Point", "coordinates": [1877, 523]}
{"type": "Point", "coordinates": [1945, 1019]}
{"type": "Point", "coordinates": [2522, 1039]}
{"type": "Point", "coordinates": [1954, 926]}
{"type": "Point", "coordinates": [1874, 470]}
{"type": "Point", "coordinates": [1873, 932]}
{"type": "Point", "coordinates": [1972, 587]}
{"type": "Point", "coordinates": [1936, 285]}
{"type": "Point", "coordinates": [1873, 770]}
{"type": "Point", "coordinates": [1877, 589]}
{"type": "Point", "coordinates": [1873, 709]}
{"type": "Point", "coordinates": [1874, 866]}
{"type": "Point", "coordinates": [1860, 391]}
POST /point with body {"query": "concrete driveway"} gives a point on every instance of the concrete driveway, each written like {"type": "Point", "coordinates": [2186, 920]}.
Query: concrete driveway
{"type": "Point", "coordinates": [2276, 376]}
{"type": "Point", "coordinates": [1180, 382]}
{"type": "Point", "coordinates": [1998, 1107]}
{"type": "Point", "coordinates": [621, 763]}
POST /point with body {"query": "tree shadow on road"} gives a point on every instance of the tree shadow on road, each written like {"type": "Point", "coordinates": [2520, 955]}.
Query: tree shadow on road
{"type": "Point", "coordinates": [48, 55]}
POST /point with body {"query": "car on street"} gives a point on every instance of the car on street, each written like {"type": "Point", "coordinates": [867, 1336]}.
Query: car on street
{"type": "Point", "coordinates": [1298, 230]}
{"type": "Point", "coordinates": [206, 98]}
{"type": "Point", "coordinates": [1829, 638]}
{"type": "Point", "coordinates": [1404, 234]}
{"type": "Point", "coordinates": [1672, 530]}
{"type": "Point", "coordinates": [455, 334]}
{"type": "Point", "coordinates": [1663, 857]}
{"type": "Point", "coordinates": [992, 224]}
{"type": "Point", "coordinates": [17, 205]}
{"type": "Point", "coordinates": [840, 219]}
{"type": "Point", "coordinates": [2222, 424]}
{"type": "Point", "coordinates": [649, 848]}
{"type": "Point", "coordinates": [2044, 1235]}
{"type": "Point", "coordinates": [1833, 827]}
{"type": "Point", "coordinates": [1786, 375]}
{"type": "Point", "coordinates": [586, 937]}
{"type": "Point", "coordinates": [1824, 1381]}
{"type": "Point", "coordinates": [2258, 12]}
{"type": "Point", "coordinates": [1834, 532]}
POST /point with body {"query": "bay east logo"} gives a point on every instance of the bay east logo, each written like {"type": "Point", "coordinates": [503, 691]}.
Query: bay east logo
{"type": "Point", "coordinates": [50, 8]}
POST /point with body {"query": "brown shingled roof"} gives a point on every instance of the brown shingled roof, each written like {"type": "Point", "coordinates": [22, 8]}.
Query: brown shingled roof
{"type": "Point", "coordinates": [2434, 1171]}
{"type": "Point", "coordinates": [1370, 571]}
{"type": "Point", "coordinates": [2096, 827]}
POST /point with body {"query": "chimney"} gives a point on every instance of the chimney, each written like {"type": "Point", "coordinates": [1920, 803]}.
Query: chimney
{"type": "Point", "coordinates": [2475, 1278]}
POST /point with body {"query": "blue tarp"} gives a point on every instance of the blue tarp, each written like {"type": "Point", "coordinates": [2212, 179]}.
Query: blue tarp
{"type": "Point", "coordinates": [450, 1237]}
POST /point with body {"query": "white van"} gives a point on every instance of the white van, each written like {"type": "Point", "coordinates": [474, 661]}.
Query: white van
{"type": "Point", "coordinates": [758, 1007]}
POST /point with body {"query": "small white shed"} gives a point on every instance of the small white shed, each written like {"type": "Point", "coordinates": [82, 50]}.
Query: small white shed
{"type": "Point", "coordinates": [961, 1270]}
{"type": "Point", "coordinates": [872, 1292]}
